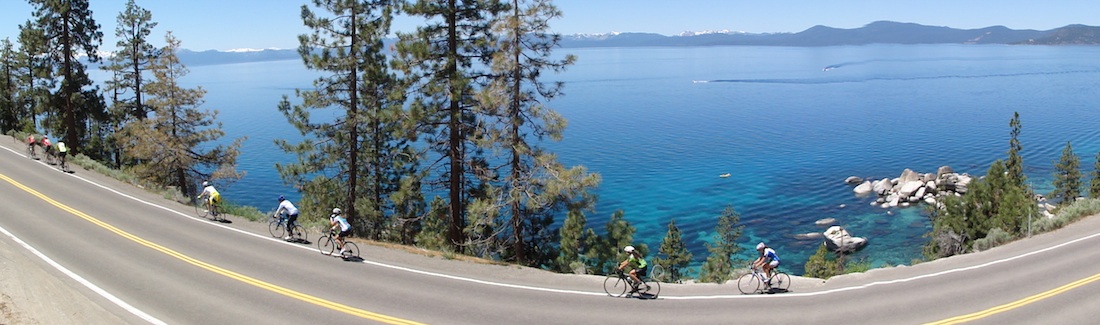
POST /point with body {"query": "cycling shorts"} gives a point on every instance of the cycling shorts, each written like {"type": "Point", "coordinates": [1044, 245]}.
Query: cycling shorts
{"type": "Point", "coordinates": [344, 233]}
{"type": "Point", "coordinates": [774, 263]}
{"type": "Point", "coordinates": [641, 271]}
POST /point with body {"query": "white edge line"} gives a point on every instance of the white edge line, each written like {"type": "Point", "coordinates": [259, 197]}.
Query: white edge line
{"type": "Point", "coordinates": [516, 286]}
{"type": "Point", "coordinates": [86, 283]}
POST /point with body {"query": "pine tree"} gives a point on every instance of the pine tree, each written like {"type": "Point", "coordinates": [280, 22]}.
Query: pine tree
{"type": "Point", "coordinates": [822, 264]}
{"type": "Point", "coordinates": [1001, 200]}
{"type": "Point", "coordinates": [35, 76]}
{"type": "Point", "coordinates": [719, 264]}
{"type": "Point", "coordinates": [132, 59]}
{"type": "Point", "coordinates": [362, 158]}
{"type": "Point", "coordinates": [677, 255]}
{"type": "Point", "coordinates": [605, 252]}
{"type": "Point", "coordinates": [169, 145]}
{"type": "Point", "coordinates": [1094, 180]}
{"type": "Point", "coordinates": [128, 67]}
{"type": "Point", "coordinates": [572, 241]}
{"type": "Point", "coordinates": [532, 187]}
{"type": "Point", "coordinates": [442, 59]}
{"type": "Point", "coordinates": [8, 89]}
{"type": "Point", "coordinates": [71, 32]}
{"type": "Point", "coordinates": [1067, 177]}
{"type": "Point", "coordinates": [1014, 165]}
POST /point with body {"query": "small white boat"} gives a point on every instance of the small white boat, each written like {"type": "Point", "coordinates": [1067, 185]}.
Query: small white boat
{"type": "Point", "coordinates": [724, 175]}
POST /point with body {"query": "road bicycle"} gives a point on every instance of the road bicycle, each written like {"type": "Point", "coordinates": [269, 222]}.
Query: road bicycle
{"type": "Point", "coordinates": [757, 282]}
{"type": "Point", "coordinates": [31, 153]}
{"type": "Point", "coordinates": [619, 283]}
{"type": "Point", "coordinates": [327, 245]}
{"type": "Point", "coordinates": [278, 229]}
{"type": "Point", "coordinates": [51, 157]}
{"type": "Point", "coordinates": [61, 164]}
{"type": "Point", "coordinates": [203, 208]}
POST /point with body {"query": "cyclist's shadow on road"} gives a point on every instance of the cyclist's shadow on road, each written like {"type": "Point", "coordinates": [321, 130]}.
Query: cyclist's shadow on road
{"type": "Point", "coordinates": [299, 241]}
{"type": "Point", "coordinates": [352, 259]}
{"type": "Point", "coordinates": [775, 290]}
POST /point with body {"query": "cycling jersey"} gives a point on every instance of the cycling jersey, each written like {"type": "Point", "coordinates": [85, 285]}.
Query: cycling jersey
{"type": "Point", "coordinates": [344, 225]}
{"type": "Point", "coordinates": [287, 207]}
{"type": "Point", "coordinates": [211, 193]}
{"type": "Point", "coordinates": [636, 262]}
{"type": "Point", "coordinates": [770, 254]}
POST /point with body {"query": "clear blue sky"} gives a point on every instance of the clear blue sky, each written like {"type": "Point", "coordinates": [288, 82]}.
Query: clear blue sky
{"type": "Point", "coordinates": [232, 24]}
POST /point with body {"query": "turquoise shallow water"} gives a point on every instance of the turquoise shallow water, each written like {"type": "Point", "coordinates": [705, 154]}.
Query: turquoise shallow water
{"type": "Point", "coordinates": [660, 125]}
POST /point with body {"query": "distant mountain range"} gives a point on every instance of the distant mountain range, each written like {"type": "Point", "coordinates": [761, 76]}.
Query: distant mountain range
{"type": "Point", "coordinates": [880, 32]}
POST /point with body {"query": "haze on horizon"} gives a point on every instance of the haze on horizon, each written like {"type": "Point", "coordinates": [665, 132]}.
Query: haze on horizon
{"type": "Point", "coordinates": [260, 24]}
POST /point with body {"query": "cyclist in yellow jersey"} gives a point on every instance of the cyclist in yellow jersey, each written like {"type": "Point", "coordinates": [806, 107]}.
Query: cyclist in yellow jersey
{"type": "Point", "coordinates": [62, 150]}
{"type": "Point", "coordinates": [637, 262]}
{"type": "Point", "coordinates": [211, 194]}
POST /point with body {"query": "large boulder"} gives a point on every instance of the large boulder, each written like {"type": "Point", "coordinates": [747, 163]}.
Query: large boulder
{"type": "Point", "coordinates": [863, 188]}
{"type": "Point", "coordinates": [908, 175]}
{"type": "Point", "coordinates": [943, 171]}
{"type": "Point", "coordinates": [838, 239]}
{"type": "Point", "coordinates": [910, 187]}
{"type": "Point", "coordinates": [882, 186]}
{"type": "Point", "coordinates": [853, 180]}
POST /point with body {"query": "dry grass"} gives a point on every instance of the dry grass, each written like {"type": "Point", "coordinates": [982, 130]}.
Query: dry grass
{"type": "Point", "coordinates": [431, 253]}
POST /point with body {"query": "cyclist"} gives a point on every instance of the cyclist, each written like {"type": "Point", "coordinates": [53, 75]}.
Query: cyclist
{"type": "Point", "coordinates": [46, 145]}
{"type": "Point", "coordinates": [212, 196]}
{"type": "Point", "coordinates": [62, 151]}
{"type": "Point", "coordinates": [338, 220]}
{"type": "Point", "coordinates": [637, 263]}
{"type": "Point", "coordinates": [767, 261]}
{"type": "Point", "coordinates": [31, 142]}
{"type": "Point", "coordinates": [291, 212]}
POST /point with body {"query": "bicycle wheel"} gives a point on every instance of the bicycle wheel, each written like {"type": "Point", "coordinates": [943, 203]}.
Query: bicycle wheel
{"type": "Point", "coordinates": [650, 289]}
{"type": "Point", "coordinates": [781, 282]}
{"type": "Point", "coordinates": [615, 285]}
{"type": "Point", "coordinates": [657, 274]}
{"type": "Point", "coordinates": [275, 227]}
{"type": "Point", "coordinates": [326, 245]}
{"type": "Point", "coordinates": [30, 152]}
{"type": "Point", "coordinates": [350, 250]}
{"type": "Point", "coordinates": [215, 213]}
{"type": "Point", "coordinates": [299, 234]}
{"type": "Point", "coordinates": [200, 207]}
{"type": "Point", "coordinates": [748, 283]}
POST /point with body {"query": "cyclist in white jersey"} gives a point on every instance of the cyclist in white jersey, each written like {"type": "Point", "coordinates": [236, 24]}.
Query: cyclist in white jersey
{"type": "Point", "coordinates": [767, 261]}
{"type": "Point", "coordinates": [285, 207]}
{"type": "Point", "coordinates": [338, 220]}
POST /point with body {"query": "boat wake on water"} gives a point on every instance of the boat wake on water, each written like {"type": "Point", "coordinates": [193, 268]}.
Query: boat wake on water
{"type": "Point", "coordinates": [814, 81]}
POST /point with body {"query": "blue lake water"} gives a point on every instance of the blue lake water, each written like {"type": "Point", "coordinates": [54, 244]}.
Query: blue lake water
{"type": "Point", "coordinates": [660, 125]}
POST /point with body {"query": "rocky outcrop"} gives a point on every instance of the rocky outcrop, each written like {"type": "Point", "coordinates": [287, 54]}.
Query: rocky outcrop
{"type": "Point", "coordinates": [838, 239]}
{"type": "Point", "coordinates": [912, 187]}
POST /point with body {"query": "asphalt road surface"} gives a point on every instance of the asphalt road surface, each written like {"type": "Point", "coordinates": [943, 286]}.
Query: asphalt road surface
{"type": "Point", "coordinates": [118, 254]}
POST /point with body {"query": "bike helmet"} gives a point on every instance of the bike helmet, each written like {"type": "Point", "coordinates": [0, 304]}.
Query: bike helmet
{"type": "Point", "coordinates": [335, 210]}
{"type": "Point", "coordinates": [760, 246]}
{"type": "Point", "coordinates": [282, 198]}
{"type": "Point", "coordinates": [628, 249]}
{"type": "Point", "coordinates": [205, 183]}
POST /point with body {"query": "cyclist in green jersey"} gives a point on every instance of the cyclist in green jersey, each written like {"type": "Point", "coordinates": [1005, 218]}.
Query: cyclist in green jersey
{"type": "Point", "coordinates": [637, 263]}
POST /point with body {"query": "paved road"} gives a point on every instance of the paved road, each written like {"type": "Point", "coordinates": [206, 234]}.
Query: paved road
{"type": "Point", "coordinates": [155, 262]}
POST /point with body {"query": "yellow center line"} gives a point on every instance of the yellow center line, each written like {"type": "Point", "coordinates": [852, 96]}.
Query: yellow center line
{"type": "Point", "coordinates": [214, 268]}
{"type": "Point", "coordinates": [1019, 303]}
